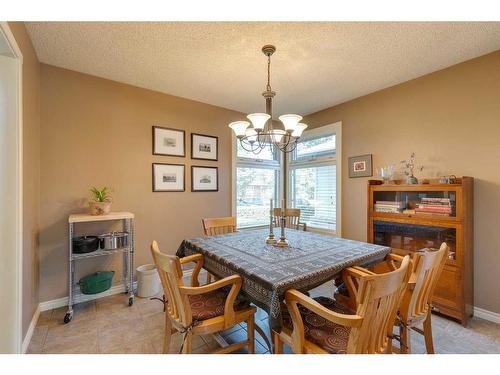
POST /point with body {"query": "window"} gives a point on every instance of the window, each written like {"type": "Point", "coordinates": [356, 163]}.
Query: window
{"type": "Point", "coordinates": [257, 181]}
{"type": "Point", "coordinates": [313, 179]}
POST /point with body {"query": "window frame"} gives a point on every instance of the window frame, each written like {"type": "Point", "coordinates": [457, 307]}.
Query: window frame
{"type": "Point", "coordinates": [317, 161]}
{"type": "Point", "coordinates": [245, 162]}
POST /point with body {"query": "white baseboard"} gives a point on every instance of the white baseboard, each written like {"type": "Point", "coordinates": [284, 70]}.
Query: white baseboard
{"type": "Point", "coordinates": [31, 329]}
{"type": "Point", "coordinates": [487, 315]}
{"type": "Point", "coordinates": [60, 302]}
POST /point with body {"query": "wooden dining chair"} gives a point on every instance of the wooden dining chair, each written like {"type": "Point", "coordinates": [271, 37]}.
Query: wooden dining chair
{"type": "Point", "coordinates": [416, 305]}
{"type": "Point", "coordinates": [218, 225]}
{"type": "Point", "coordinates": [322, 325]}
{"type": "Point", "coordinates": [200, 310]}
{"type": "Point", "coordinates": [292, 218]}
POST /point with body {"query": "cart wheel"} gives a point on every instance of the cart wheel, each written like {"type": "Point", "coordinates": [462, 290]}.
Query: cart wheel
{"type": "Point", "coordinates": [68, 317]}
{"type": "Point", "coordinates": [130, 301]}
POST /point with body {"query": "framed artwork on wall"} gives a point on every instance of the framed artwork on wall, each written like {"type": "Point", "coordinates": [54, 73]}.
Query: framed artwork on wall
{"type": "Point", "coordinates": [360, 166]}
{"type": "Point", "coordinates": [204, 147]}
{"type": "Point", "coordinates": [169, 142]}
{"type": "Point", "coordinates": [168, 177]}
{"type": "Point", "coordinates": [204, 178]}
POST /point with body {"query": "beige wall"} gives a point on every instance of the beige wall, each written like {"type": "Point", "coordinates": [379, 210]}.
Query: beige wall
{"type": "Point", "coordinates": [31, 171]}
{"type": "Point", "coordinates": [98, 132]}
{"type": "Point", "coordinates": [451, 119]}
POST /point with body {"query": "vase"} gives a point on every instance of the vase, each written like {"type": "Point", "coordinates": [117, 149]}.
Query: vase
{"type": "Point", "coordinates": [99, 208]}
{"type": "Point", "coordinates": [411, 180]}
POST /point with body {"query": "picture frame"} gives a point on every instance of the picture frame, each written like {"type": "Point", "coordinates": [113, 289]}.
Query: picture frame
{"type": "Point", "coordinates": [204, 147]}
{"type": "Point", "coordinates": [169, 142]}
{"type": "Point", "coordinates": [169, 177]}
{"type": "Point", "coordinates": [360, 166]}
{"type": "Point", "coordinates": [204, 178]}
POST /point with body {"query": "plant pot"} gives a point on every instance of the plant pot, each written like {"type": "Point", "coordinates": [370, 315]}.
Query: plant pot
{"type": "Point", "coordinates": [411, 180]}
{"type": "Point", "coordinates": [99, 208]}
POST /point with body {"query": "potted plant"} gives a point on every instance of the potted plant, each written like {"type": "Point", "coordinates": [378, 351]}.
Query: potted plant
{"type": "Point", "coordinates": [408, 169]}
{"type": "Point", "coordinates": [101, 201]}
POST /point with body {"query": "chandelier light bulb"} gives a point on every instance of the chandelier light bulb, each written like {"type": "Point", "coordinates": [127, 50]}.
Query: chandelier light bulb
{"type": "Point", "coordinates": [239, 128]}
{"type": "Point", "coordinates": [299, 130]}
{"type": "Point", "coordinates": [251, 135]}
{"type": "Point", "coordinates": [277, 135]}
{"type": "Point", "coordinates": [290, 121]}
{"type": "Point", "coordinates": [258, 120]}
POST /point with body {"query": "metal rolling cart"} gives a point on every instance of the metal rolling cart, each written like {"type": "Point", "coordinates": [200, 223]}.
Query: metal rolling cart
{"type": "Point", "coordinates": [75, 296]}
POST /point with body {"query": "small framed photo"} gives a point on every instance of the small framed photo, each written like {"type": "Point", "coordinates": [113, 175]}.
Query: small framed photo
{"type": "Point", "coordinates": [204, 178]}
{"type": "Point", "coordinates": [204, 147]}
{"type": "Point", "coordinates": [169, 142]}
{"type": "Point", "coordinates": [360, 166]}
{"type": "Point", "coordinates": [168, 177]}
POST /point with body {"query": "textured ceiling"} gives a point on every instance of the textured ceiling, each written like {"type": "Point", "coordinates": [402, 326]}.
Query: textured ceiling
{"type": "Point", "coordinates": [316, 65]}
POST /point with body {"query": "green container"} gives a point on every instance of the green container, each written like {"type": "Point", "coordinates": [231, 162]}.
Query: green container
{"type": "Point", "coordinates": [97, 282]}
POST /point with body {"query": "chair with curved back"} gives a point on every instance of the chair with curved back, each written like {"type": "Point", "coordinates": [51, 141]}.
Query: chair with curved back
{"type": "Point", "coordinates": [292, 218]}
{"type": "Point", "coordinates": [329, 327]}
{"type": "Point", "coordinates": [218, 225]}
{"type": "Point", "coordinates": [416, 305]}
{"type": "Point", "coordinates": [200, 310]}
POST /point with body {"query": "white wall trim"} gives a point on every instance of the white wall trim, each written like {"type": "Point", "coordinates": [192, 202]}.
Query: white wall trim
{"type": "Point", "coordinates": [487, 315]}
{"type": "Point", "coordinates": [31, 330]}
{"type": "Point", "coordinates": [6, 31]}
{"type": "Point", "coordinates": [233, 174]}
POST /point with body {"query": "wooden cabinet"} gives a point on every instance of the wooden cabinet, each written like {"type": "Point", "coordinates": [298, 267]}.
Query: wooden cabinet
{"type": "Point", "coordinates": [396, 219]}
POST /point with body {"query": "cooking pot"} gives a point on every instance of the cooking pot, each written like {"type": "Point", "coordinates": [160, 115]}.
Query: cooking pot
{"type": "Point", "coordinates": [85, 244]}
{"type": "Point", "coordinates": [113, 240]}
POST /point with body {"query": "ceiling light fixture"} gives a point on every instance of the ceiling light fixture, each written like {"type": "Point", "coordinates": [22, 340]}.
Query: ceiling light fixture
{"type": "Point", "coordinates": [260, 132]}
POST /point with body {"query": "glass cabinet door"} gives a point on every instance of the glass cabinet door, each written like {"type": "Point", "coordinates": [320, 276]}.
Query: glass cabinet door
{"type": "Point", "coordinates": [406, 238]}
{"type": "Point", "coordinates": [426, 204]}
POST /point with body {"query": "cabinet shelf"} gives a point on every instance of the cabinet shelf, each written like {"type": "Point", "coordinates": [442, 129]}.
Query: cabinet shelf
{"type": "Point", "coordinates": [416, 217]}
{"type": "Point", "coordinates": [99, 253]}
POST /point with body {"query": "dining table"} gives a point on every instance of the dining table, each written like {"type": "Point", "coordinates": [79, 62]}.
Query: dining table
{"type": "Point", "coordinates": [267, 271]}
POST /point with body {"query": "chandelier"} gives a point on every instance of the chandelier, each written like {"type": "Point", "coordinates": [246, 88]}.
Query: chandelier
{"type": "Point", "coordinates": [260, 132]}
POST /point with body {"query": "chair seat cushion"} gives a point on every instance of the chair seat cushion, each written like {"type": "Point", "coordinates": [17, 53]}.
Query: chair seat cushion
{"type": "Point", "coordinates": [209, 305]}
{"type": "Point", "coordinates": [330, 336]}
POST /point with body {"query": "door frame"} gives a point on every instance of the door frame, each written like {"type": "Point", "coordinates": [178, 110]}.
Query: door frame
{"type": "Point", "coordinates": [18, 217]}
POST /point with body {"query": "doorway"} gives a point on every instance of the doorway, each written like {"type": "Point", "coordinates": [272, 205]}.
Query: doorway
{"type": "Point", "coordinates": [10, 193]}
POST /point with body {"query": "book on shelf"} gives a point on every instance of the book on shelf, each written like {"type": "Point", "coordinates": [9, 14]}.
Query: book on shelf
{"type": "Point", "coordinates": [427, 213]}
{"type": "Point", "coordinates": [389, 206]}
{"type": "Point", "coordinates": [425, 207]}
{"type": "Point", "coordinates": [436, 201]}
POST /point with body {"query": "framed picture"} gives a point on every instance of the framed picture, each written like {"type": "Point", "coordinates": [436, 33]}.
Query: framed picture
{"type": "Point", "coordinates": [360, 166]}
{"type": "Point", "coordinates": [204, 147]}
{"type": "Point", "coordinates": [168, 142]}
{"type": "Point", "coordinates": [168, 177]}
{"type": "Point", "coordinates": [204, 178]}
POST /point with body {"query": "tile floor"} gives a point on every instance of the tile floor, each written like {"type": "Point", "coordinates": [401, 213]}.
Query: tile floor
{"type": "Point", "coordinates": [109, 325]}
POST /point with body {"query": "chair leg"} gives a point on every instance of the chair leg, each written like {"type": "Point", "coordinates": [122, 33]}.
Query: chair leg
{"type": "Point", "coordinates": [251, 334]}
{"type": "Point", "coordinates": [429, 345]}
{"type": "Point", "coordinates": [188, 343]}
{"type": "Point", "coordinates": [404, 333]}
{"type": "Point", "coordinates": [277, 343]}
{"type": "Point", "coordinates": [209, 277]}
{"type": "Point", "coordinates": [168, 334]}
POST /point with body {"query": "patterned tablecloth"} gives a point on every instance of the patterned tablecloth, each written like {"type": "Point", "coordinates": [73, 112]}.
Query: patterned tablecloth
{"type": "Point", "coordinates": [268, 272]}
